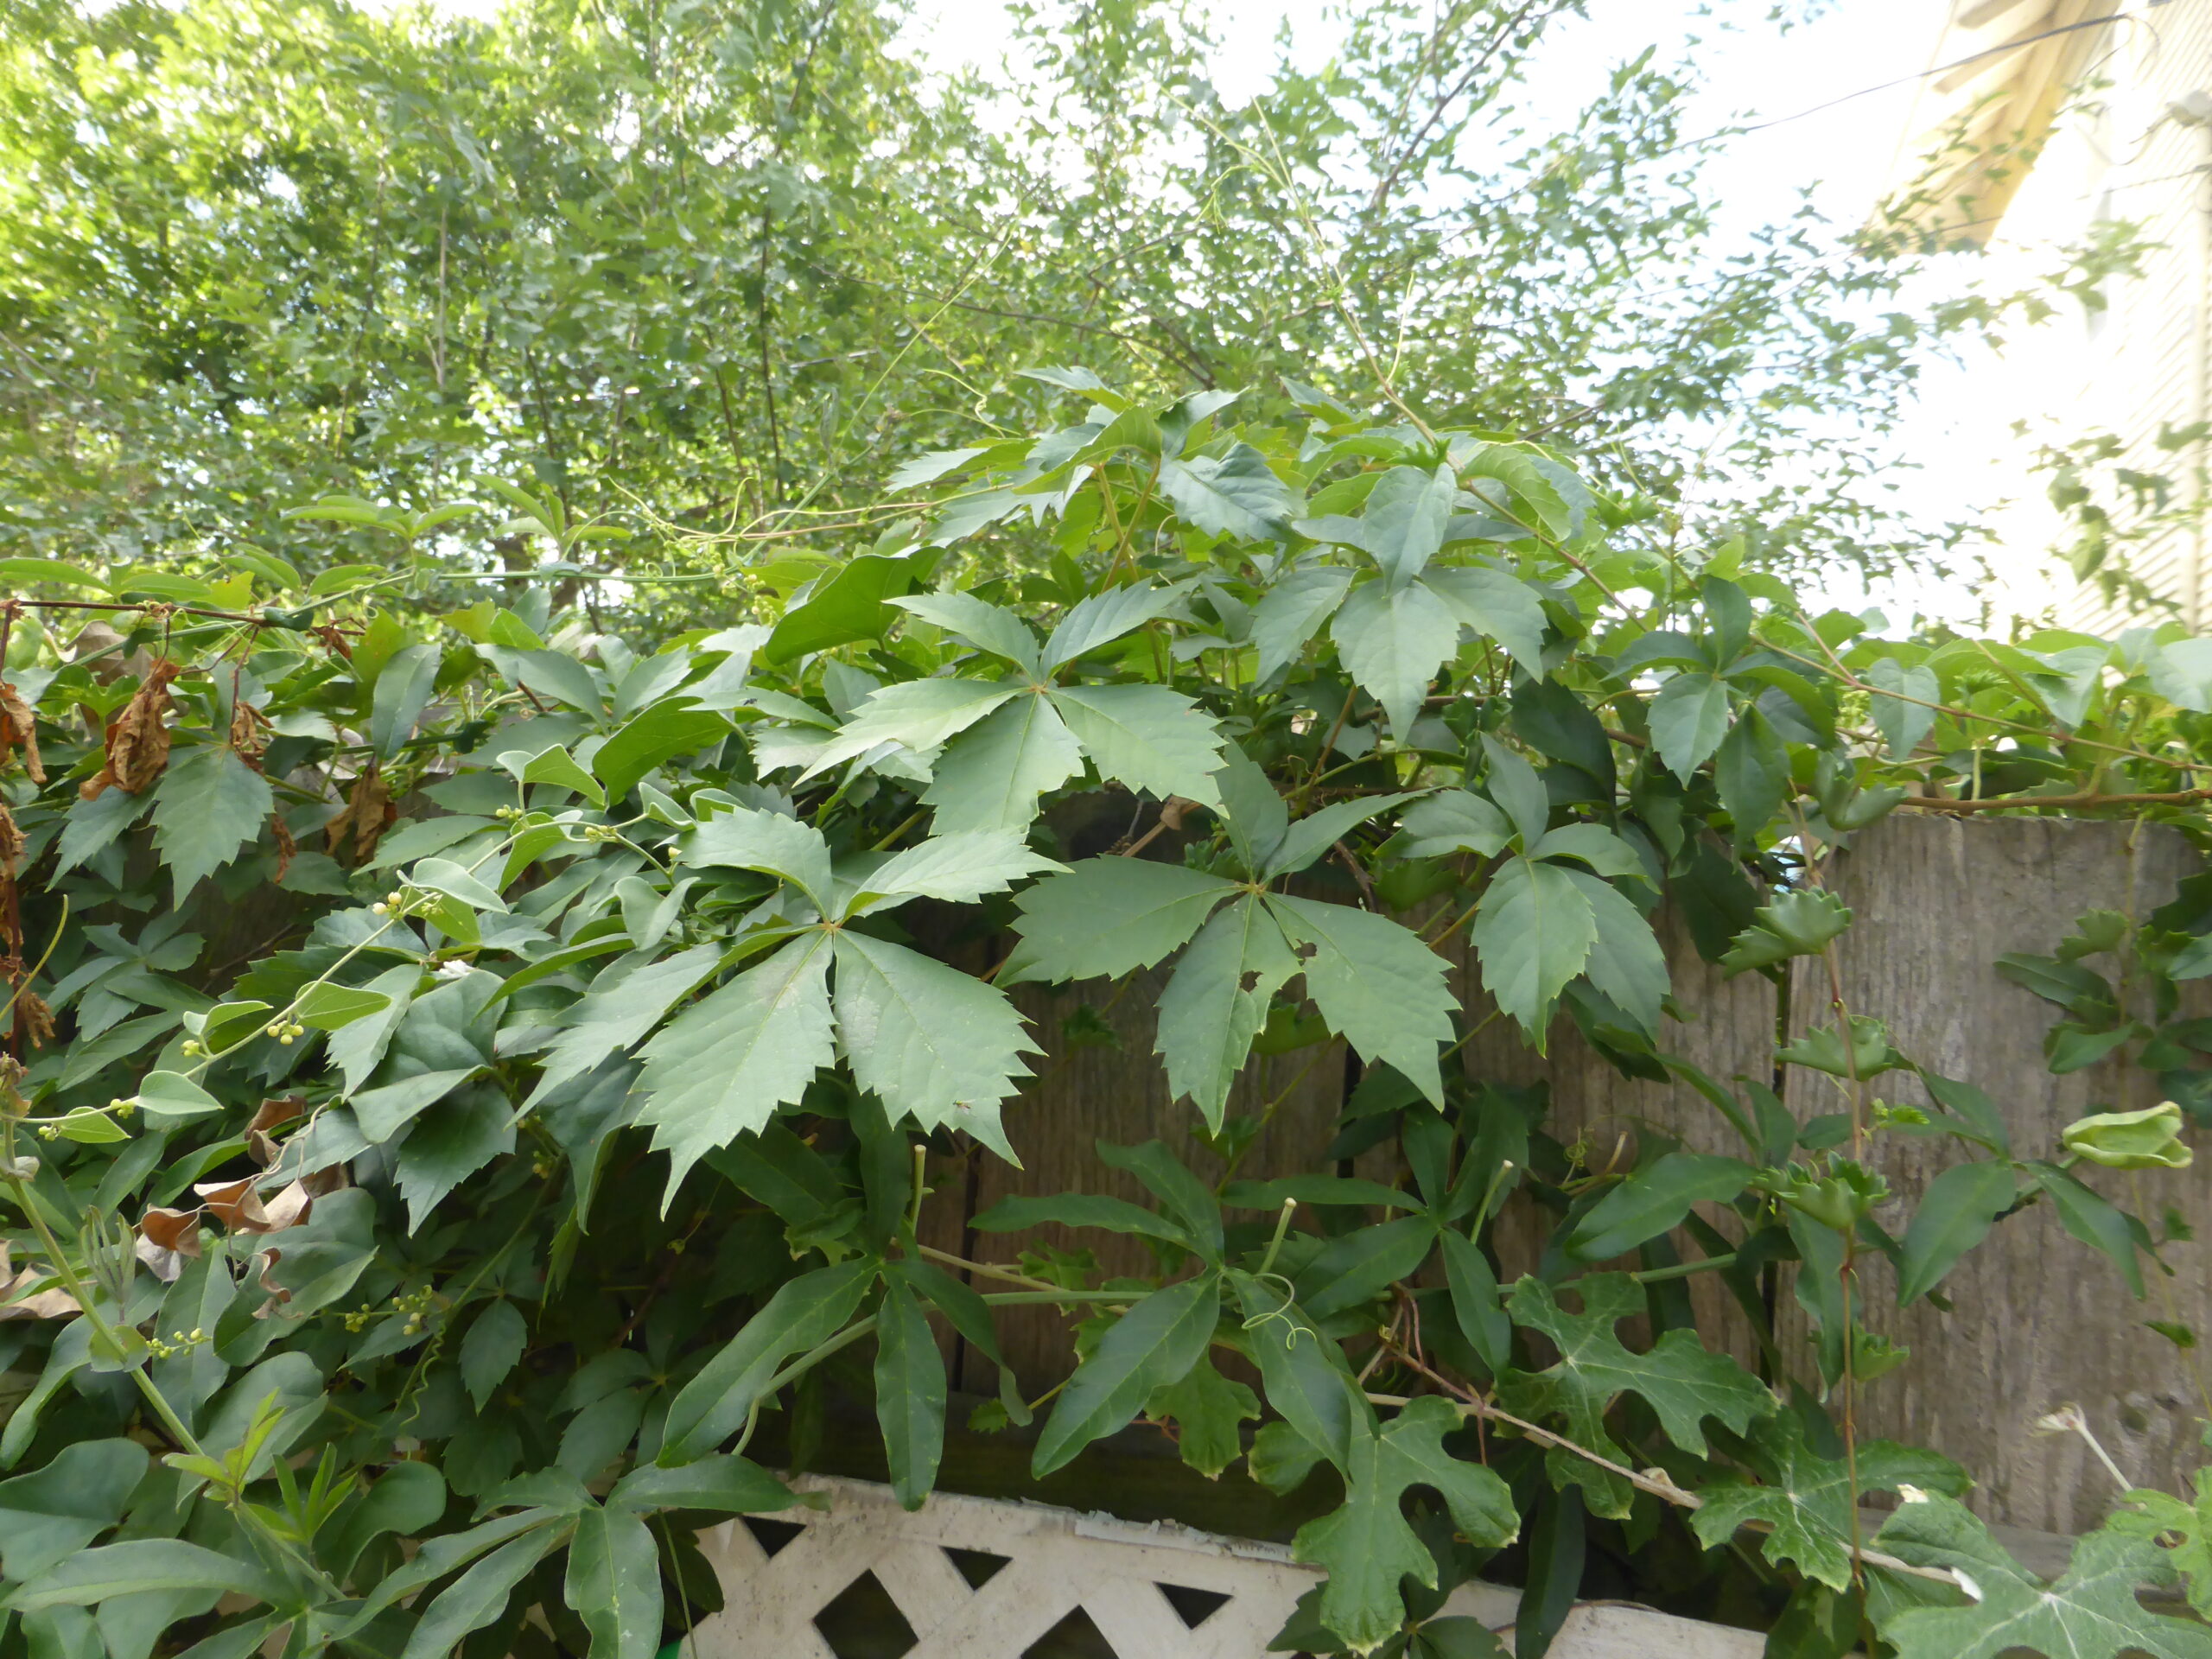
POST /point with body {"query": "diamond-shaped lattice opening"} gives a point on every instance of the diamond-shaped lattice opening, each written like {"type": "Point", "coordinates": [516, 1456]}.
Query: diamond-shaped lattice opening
{"type": "Point", "coordinates": [978, 1567]}
{"type": "Point", "coordinates": [771, 1535]}
{"type": "Point", "coordinates": [1192, 1607]}
{"type": "Point", "coordinates": [1073, 1637]}
{"type": "Point", "coordinates": [864, 1622]}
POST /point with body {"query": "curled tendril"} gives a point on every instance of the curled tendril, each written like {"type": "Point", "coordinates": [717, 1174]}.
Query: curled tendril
{"type": "Point", "coordinates": [1280, 1310]}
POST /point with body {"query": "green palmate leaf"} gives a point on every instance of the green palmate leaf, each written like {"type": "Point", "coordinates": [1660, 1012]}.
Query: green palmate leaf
{"type": "Point", "coordinates": [1310, 837]}
{"type": "Point", "coordinates": [1682, 1383]}
{"type": "Point", "coordinates": [1257, 818]}
{"type": "Point", "coordinates": [172, 1097]}
{"type": "Point", "coordinates": [326, 1007]}
{"type": "Point", "coordinates": [805, 1311]}
{"type": "Point", "coordinates": [490, 1350]}
{"type": "Point", "coordinates": [407, 1498]}
{"type": "Point", "coordinates": [1654, 1201]}
{"type": "Point", "coordinates": [1688, 718]}
{"type": "Point", "coordinates": [620, 1007]}
{"type": "Point", "coordinates": [1154, 1343]}
{"type": "Point", "coordinates": [1305, 1376]}
{"type": "Point", "coordinates": [1377, 986]}
{"type": "Point", "coordinates": [1533, 933]}
{"type": "Point", "coordinates": [208, 806]}
{"type": "Point", "coordinates": [745, 839]}
{"type": "Point", "coordinates": [2092, 1219]}
{"type": "Point", "coordinates": [1292, 612]}
{"type": "Point", "coordinates": [1799, 922]}
{"type": "Point", "coordinates": [444, 875]}
{"type": "Point", "coordinates": [909, 1393]}
{"type": "Point", "coordinates": [1107, 917]}
{"type": "Point", "coordinates": [991, 776]}
{"type": "Point", "coordinates": [1217, 1000]}
{"type": "Point", "coordinates": [724, 1066]}
{"type": "Point", "coordinates": [1496, 605]}
{"type": "Point", "coordinates": [917, 714]}
{"type": "Point", "coordinates": [1403, 523]}
{"type": "Point", "coordinates": [402, 691]}
{"type": "Point", "coordinates": [50, 1514]}
{"type": "Point", "coordinates": [1594, 845]}
{"type": "Point", "coordinates": [1454, 821]}
{"type": "Point", "coordinates": [1237, 495]}
{"type": "Point", "coordinates": [722, 1482]}
{"type": "Point", "coordinates": [1751, 770]}
{"type": "Point", "coordinates": [1368, 1547]}
{"type": "Point", "coordinates": [1081, 1210]}
{"type": "Point", "coordinates": [1363, 1264]}
{"type": "Point", "coordinates": [1475, 1302]}
{"type": "Point", "coordinates": [1822, 1049]}
{"type": "Point", "coordinates": [1101, 619]}
{"type": "Point", "coordinates": [1145, 737]}
{"type": "Point", "coordinates": [935, 1044]}
{"type": "Point", "coordinates": [148, 1564]}
{"type": "Point", "coordinates": [851, 604]}
{"type": "Point", "coordinates": [648, 740]}
{"type": "Point", "coordinates": [2091, 1612]}
{"type": "Point", "coordinates": [978, 622]}
{"type": "Point", "coordinates": [1626, 962]}
{"type": "Point", "coordinates": [1902, 722]}
{"type": "Point", "coordinates": [1955, 1214]}
{"type": "Point", "coordinates": [2183, 1530]}
{"type": "Point", "coordinates": [1205, 1407]}
{"type": "Point", "coordinates": [1514, 785]}
{"type": "Point", "coordinates": [479, 1595]}
{"type": "Point", "coordinates": [1392, 642]}
{"type": "Point", "coordinates": [555, 767]}
{"type": "Point", "coordinates": [1804, 1502]}
{"type": "Point", "coordinates": [613, 1584]}
{"type": "Point", "coordinates": [958, 869]}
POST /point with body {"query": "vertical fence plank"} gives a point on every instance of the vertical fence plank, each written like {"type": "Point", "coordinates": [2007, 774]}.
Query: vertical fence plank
{"type": "Point", "coordinates": [2037, 1320]}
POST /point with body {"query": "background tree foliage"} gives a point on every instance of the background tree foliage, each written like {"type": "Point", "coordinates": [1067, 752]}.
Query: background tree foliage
{"type": "Point", "coordinates": [709, 265]}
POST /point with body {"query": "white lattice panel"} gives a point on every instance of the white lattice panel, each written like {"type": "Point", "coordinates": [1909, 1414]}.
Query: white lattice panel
{"type": "Point", "coordinates": [970, 1578]}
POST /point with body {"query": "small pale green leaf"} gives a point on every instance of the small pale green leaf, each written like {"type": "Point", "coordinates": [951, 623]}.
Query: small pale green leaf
{"type": "Point", "coordinates": [1533, 933]}
{"type": "Point", "coordinates": [1688, 718]}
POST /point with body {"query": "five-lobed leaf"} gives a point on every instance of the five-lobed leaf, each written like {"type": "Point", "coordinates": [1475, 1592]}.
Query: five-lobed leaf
{"type": "Point", "coordinates": [1368, 1545]}
{"type": "Point", "coordinates": [1677, 1378]}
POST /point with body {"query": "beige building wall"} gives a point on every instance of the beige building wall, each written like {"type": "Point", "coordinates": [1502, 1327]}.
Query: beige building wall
{"type": "Point", "coordinates": [2068, 128]}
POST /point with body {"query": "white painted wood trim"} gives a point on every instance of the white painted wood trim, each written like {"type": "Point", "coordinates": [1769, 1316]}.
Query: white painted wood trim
{"type": "Point", "coordinates": [1059, 1560]}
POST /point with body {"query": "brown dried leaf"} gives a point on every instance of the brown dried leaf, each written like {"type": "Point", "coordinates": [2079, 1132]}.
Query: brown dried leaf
{"type": "Point", "coordinates": [18, 725]}
{"type": "Point", "coordinates": [290, 1207]}
{"type": "Point", "coordinates": [54, 1304]}
{"type": "Point", "coordinates": [369, 812]}
{"type": "Point", "coordinates": [273, 1115]}
{"type": "Point", "coordinates": [33, 1020]}
{"type": "Point", "coordinates": [172, 1230]}
{"type": "Point", "coordinates": [11, 844]}
{"type": "Point", "coordinates": [331, 1179]}
{"type": "Point", "coordinates": [248, 733]}
{"type": "Point", "coordinates": [235, 1204]}
{"type": "Point", "coordinates": [287, 848]}
{"type": "Point", "coordinates": [137, 738]}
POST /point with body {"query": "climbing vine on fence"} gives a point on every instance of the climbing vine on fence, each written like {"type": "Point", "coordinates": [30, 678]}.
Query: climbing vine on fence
{"type": "Point", "coordinates": [479, 1079]}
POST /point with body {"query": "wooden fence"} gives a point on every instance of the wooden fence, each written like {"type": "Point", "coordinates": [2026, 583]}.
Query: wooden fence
{"type": "Point", "coordinates": [2037, 1320]}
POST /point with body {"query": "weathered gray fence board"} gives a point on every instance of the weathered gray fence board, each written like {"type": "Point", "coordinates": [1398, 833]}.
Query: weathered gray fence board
{"type": "Point", "coordinates": [2037, 1320]}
